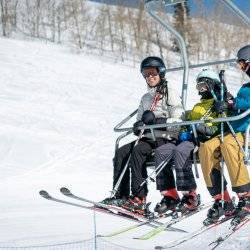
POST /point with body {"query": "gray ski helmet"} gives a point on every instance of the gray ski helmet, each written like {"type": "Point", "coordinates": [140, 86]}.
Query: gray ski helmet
{"type": "Point", "coordinates": [244, 54]}
{"type": "Point", "coordinates": [154, 61]}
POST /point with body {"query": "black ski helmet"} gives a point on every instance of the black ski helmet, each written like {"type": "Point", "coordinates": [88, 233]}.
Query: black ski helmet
{"type": "Point", "coordinates": [244, 54]}
{"type": "Point", "coordinates": [154, 61]}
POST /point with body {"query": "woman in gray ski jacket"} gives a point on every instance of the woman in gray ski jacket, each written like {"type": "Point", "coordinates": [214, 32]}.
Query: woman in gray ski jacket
{"type": "Point", "coordinates": [159, 105]}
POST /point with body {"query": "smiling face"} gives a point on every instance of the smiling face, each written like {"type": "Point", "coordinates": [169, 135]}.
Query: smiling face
{"type": "Point", "coordinates": [244, 66]}
{"type": "Point", "coordinates": [152, 76]}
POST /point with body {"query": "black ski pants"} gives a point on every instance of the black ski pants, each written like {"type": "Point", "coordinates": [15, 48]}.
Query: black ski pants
{"type": "Point", "coordinates": [137, 163]}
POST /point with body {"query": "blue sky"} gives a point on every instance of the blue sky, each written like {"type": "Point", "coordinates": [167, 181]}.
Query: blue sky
{"type": "Point", "coordinates": [242, 4]}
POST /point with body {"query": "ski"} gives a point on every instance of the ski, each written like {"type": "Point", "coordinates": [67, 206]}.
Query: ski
{"type": "Point", "coordinates": [231, 231]}
{"type": "Point", "coordinates": [127, 229]}
{"type": "Point", "coordinates": [144, 220]}
{"type": "Point", "coordinates": [162, 227]}
{"type": "Point", "coordinates": [47, 196]}
{"type": "Point", "coordinates": [124, 230]}
{"type": "Point", "coordinates": [68, 193]}
{"type": "Point", "coordinates": [194, 234]}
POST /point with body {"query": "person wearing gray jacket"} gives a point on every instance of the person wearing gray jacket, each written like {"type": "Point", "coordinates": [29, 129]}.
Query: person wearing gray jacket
{"type": "Point", "coordinates": [159, 105]}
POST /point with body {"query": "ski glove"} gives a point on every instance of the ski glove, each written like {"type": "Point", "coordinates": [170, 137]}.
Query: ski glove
{"type": "Point", "coordinates": [135, 127]}
{"type": "Point", "coordinates": [148, 117]}
{"type": "Point", "coordinates": [204, 130]}
{"type": "Point", "coordinates": [220, 107]}
{"type": "Point", "coordinates": [185, 136]}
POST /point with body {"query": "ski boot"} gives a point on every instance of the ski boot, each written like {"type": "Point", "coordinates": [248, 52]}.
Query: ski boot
{"type": "Point", "coordinates": [242, 210]}
{"type": "Point", "coordinates": [167, 204]}
{"type": "Point", "coordinates": [189, 202]}
{"type": "Point", "coordinates": [136, 205]}
{"type": "Point", "coordinates": [116, 201]}
{"type": "Point", "coordinates": [219, 208]}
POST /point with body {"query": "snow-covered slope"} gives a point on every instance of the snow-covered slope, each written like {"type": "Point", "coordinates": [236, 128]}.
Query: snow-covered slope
{"type": "Point", "coordinates": [57, 113]}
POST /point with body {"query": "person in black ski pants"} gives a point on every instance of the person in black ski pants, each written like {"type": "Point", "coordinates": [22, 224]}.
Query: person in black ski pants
{"type": "Point", "coordinates": [159, 105]}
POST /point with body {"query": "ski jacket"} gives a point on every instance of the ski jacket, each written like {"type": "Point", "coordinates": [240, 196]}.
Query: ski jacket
{"type": "Point", "coordinates": [242, 103]}
{"type": "Point", "coordinates": [167, 107]}
{"type": "Point", "coordinates": [199, 111]}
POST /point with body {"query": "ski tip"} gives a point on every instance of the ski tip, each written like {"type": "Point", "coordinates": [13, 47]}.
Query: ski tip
{"type": "Point", "coordinates": [158, 247]}
{"type": "Point", "coordinates": [44, 194]}
{"type": "Point", "coordinates": [65, 191]}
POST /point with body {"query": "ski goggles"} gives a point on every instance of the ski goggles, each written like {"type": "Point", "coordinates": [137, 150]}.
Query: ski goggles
{"type": "Point", "coordinates": [148, 74]}
{"type": "Point", "coordinates": [202, 86]}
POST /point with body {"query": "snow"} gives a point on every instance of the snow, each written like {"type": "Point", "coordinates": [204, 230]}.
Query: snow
{"type": "Point", "coordinates": [57, 113]}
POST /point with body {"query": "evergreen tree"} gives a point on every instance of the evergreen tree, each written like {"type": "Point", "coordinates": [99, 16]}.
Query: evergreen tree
{"type": "Point", "coordinates": [181, 23]}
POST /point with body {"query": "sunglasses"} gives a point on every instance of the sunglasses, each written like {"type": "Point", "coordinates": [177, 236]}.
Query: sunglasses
{"type": "Point", "coordinates": [147, 75]}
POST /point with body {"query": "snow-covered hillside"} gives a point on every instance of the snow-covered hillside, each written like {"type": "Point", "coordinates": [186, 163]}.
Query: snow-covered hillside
{"type": "Point", "coordinates": [57, 113]}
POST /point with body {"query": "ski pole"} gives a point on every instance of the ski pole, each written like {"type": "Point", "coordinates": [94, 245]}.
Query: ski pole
{"type": "Point", "coordinates": [115, 189]}
{"type": "Point", "coordinates": [157, 170]}
{"type": "Point", "coordinates": [208, 112]}
{"type": "Point", "coordinates": [195, 150]}
{"type": "Point", "coordinates": [224, 115]}
{"type": "Point", "coordinates": [221, 75]}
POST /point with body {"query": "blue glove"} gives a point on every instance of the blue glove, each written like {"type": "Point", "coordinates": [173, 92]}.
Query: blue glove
{"type": "Point", "coordinates": [185, 136]}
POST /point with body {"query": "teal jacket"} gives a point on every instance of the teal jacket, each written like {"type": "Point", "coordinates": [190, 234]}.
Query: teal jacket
{"type": "Point", "coordinates": [242, 103]}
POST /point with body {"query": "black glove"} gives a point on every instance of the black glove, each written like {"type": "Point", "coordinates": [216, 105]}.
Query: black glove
{"type": "Point", "coordinates": [220, 107]}
{"type": "Point", "coordinates": [148, 117]}
{"type": "Point", "coordinates": [204, 130]}
{"type": "Point", "coordinates": [135, 127]}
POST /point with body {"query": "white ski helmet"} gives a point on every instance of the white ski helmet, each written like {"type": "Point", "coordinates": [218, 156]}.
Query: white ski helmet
{"type": "Point", "coordinates": [206, 73]}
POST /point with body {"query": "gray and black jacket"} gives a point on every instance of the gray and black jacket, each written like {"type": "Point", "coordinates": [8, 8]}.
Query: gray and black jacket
{"type": "Point", "coordinates": [169, 106]}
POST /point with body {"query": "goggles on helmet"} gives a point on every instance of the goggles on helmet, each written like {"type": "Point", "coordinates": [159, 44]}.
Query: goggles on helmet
{"type": "Point", "coordinates": [202, 87]}
{"type": "Point", "coordinates": [148, 74]}
{"type": "Point", "coordinates": [204, 84]}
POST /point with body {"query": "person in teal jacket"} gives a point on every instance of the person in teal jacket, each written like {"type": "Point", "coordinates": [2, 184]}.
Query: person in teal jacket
{"type": "Point", "coordinates": [232, 153]}
{"type": "Point", "coordinates": [241, 104]}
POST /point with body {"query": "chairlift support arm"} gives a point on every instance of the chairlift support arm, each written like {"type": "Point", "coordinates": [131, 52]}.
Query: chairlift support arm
{"type": "Point", "coordinates": [149, 7]}
{"type": "Point", "coordinates": [236, 10]}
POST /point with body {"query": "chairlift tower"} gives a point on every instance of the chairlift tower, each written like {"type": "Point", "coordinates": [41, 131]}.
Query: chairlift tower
{"type": "Point", "coordinates": [151, 7]}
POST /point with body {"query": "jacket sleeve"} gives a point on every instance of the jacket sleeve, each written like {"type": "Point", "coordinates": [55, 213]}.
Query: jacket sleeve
{"type": "Point", "coordinates": [140, 110]}
{"type": "Point", "coordinates": [176, 109]}
{"type": "Point", "coordinates": [242, 101]}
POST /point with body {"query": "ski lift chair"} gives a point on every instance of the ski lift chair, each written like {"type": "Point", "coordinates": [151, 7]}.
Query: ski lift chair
{"type": "Point", "coordinates": [151, 163]}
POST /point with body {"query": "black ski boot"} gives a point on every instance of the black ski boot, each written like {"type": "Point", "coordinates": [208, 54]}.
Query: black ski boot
{"type": "Point", "coordinates": [219, 209]}
{"type": "Point", "coordinates": [115, 201]}
{"type": "Point", "coordinates": [189, 202]}
{"type": "Point", "coordinates": [167, 203]}
{"type": "Point", "coordinates": [136, 205]}
{"type": "Point", "coordinates": [242, 210]}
